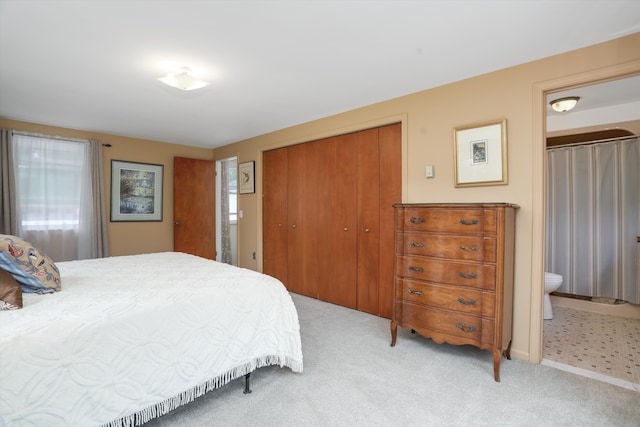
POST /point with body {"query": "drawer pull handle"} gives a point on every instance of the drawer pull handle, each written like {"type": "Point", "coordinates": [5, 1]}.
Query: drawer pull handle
{"type": "Point", "coordinates": [412, 292]}
{"type": "Point", "coordinates": [415, 220]}
{"type": "Point", "coordinates": [471, 249]}
{"type": "Point", "coordinates": [466, 328]}
{"type": "Point", "coordinates": [416, 245]}
{"type": "Point", "coordinates": [470, 302]}
{"type": "Point", "coordinates": [467, 276]}
{"type": "Point", "coordinates": [465, 222]}
{"type": "Point", "coordinates": [418, 269]}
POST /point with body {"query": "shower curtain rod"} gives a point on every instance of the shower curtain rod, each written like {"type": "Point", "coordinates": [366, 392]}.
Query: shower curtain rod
{"type": "Point", "coordinates": [596, 141]}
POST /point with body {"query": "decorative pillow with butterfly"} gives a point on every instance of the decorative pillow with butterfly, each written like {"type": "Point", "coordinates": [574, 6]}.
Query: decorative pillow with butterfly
{"type": "Point", "coordinates": [32, 269]}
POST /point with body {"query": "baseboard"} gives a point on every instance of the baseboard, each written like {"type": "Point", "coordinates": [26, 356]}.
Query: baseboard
{"type": "Point", "coordinates": [520, 355]}
{"type": "Point", "coordinates": [629, 311]}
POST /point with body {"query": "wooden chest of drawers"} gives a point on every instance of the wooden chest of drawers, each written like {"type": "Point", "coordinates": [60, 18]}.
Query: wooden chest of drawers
{"type": "Point", "coordinates": [454, 274]}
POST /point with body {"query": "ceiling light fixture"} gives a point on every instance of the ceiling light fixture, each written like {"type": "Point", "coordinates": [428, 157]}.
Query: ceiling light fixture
{"type": "Point", "coordinates": [182, 79]}
{"type": "Point", "coordinates": [564, 104]}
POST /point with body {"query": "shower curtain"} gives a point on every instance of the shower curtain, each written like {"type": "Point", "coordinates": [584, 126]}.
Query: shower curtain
{"type": "Point", "coordinates": [593, 218]}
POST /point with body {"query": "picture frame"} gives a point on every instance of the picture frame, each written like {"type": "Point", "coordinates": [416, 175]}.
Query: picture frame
{"type": "Point", "coordinates": [136, 191]}
{"type": "Point", "coordinates": [480, 154]}
{"type": "Point", "coordinates": [246, 177]}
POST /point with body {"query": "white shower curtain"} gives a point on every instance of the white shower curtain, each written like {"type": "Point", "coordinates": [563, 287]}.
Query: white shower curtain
{"type": "Point", "coordinates": [593, 219]}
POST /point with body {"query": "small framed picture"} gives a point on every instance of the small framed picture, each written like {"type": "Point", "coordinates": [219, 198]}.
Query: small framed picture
{"type": "Point", "coordinates": [480, 153]}
{"type": "Point", "coordinates": [136, 191]}
{"type": "Point", "coordinates": [246, 177]}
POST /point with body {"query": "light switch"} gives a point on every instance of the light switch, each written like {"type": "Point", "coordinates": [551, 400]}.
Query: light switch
{"type": "Point", "coordinates": [241, 213]}
{"type": "Point", "coordinates": [429, 171]}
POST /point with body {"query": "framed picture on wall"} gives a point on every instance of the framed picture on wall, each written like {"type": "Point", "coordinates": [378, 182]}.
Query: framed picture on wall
{"type": "Point", "coordinates": [480, 154]}
{"type": "Point", "coordinates": [136, 191]}
{"type": "Point", "coordinates": [246, 177]}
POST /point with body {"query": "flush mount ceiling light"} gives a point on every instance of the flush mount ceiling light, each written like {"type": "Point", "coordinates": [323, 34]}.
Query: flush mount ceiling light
{"type": "Point", "coordinates": [182, 79]}
{"type": "Point", "coordinates": [564, 104]}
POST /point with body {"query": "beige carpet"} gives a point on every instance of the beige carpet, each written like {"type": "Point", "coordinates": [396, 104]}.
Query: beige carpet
{"type": "Point", "coordinates": [352, 377]}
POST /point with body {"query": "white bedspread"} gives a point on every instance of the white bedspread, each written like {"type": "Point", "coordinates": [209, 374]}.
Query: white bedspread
{"type": "Point", "coordinates": [139, 335]}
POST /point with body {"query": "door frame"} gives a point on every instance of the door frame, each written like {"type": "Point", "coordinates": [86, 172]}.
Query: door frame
{"type": "Point", "coordinates": [540, 92]}
{"type": "Point", "coordinates": [218, 184]}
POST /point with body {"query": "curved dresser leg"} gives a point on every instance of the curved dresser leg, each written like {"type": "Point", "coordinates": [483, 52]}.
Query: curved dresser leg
{"type": "Point", "coordinates": [497, 355]}
{"type": "Point", "coordinates": [507, 352]}
{"type": "Point", "coordinates": [394, 332]}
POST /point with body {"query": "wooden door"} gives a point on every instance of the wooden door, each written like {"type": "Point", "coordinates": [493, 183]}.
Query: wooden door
{"type": "Point", "coordinates": [340, 179]}
{"type": "Point", "coordinates": [194, 230]}
{"type": "Point", "coordinates": [274, 214]}
{"type": "Point", "coordinates": [390, 161]}
{"type": "Point", "coordinates": [295, 219]}
{"type": "Point", "coordinates": [317, 269]}
{"type": "Point", "coordinates": [368, 210]}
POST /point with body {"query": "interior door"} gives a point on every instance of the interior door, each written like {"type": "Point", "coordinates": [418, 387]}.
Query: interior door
{"type": "Point", "coordinates": [368, 211]}
{"type": "Point", "coordinates": [194, 229]}
{"type": "Point", "coordinates": [342, 174]}
{"type": "Point", "coordinates": [274, 215]}
{"type": "Point", "coordinates": [390, 193]}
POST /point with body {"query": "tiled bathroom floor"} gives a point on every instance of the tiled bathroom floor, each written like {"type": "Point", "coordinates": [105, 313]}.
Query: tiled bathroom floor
{"type": "Point", "coordinates": [598, 345]}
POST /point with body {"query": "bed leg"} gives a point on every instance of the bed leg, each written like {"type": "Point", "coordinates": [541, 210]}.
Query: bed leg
{"type": "Point", "coordinates": [247, 390]}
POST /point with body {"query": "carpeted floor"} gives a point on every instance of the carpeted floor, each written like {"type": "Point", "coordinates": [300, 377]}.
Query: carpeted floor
{"type": "Point", "coordinates": [352, 377]}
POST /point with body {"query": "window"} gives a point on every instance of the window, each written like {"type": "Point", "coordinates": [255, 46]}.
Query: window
{"type": "Point", "coordinates": [52, 176]}
{"type": "Point", "coordinates": [58, 196]}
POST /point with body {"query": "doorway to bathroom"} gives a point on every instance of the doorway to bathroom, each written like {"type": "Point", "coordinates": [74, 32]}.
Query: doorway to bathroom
{"type": "Point", "coordinates": [227, 210]}
{"type": "Point", "coordinates": [595, 330]}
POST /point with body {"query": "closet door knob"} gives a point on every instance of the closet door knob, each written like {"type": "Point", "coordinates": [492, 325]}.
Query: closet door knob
{"type": "Point", "coordinates": [279, 225]}
{"type": "Point", "coordinates": [366, 230]}
{"type": "Point", "coordinates": [346, 229]}
{"type": "Point", "coordinates": [293, 226]}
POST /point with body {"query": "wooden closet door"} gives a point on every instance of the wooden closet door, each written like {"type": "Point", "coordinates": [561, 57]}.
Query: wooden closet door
{"type": "Point", "coordinates": [390, 161]}
{"type": "Point", "coordinates": [368, 207]}
{"type": "Point", "coordinates": [296, 227]}
{"type": "Point", "coordinates": [316, 267]}
{"type": "Point", "coordinates": [340, 208]}
{"type": "Point", "coordinates": [274, 214]}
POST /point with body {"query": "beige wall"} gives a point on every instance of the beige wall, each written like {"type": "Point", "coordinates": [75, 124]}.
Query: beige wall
{"type": "Point", "coordinates": [515, 94]}
{"type": "Point", "coordinates": [127, 238]}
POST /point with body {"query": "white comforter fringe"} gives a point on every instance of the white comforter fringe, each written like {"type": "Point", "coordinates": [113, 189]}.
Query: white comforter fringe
{"type": "Point", "coordinates": [188, 396]}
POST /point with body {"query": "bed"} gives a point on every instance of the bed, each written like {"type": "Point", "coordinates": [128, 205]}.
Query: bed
{"type": "Point", "coordinates": [130, 338]}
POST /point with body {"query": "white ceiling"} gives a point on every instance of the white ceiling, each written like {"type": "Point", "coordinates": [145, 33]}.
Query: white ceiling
{"type": "Point", "coordinates": [93, 64]}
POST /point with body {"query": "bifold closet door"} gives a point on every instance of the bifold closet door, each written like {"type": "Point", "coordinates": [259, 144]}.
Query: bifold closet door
{"type": "Point", "coordinates": [379, 188]}
{"type": "Point", "coordinates": [295, 218]}
{"type": "Point", "coordinates": [317, 268]}
{"type": "Point", "coordinates": [274, 214]}
{"type": "Point", "coordinates": [368, 258]}
{"type": "Point", "coordinates": [328, 218]}
{"type": "Point", "coordinates": [339, 219]}
{"type": "Point", "coordinates": [390, 193]}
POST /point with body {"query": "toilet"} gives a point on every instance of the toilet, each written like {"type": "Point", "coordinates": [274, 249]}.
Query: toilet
{"type": "Point", "coordinates": [552, 282]}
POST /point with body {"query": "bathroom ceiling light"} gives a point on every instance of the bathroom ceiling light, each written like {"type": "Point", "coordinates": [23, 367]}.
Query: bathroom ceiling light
{"type": "Point", "coordinates": [564, 104]}
{"type": "Point", "coordinates": [183, 80]}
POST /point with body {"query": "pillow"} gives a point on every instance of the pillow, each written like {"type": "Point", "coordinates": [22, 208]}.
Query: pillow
{"type": "Point", "coordinates": [35, 271]}
{"type": "Point", "coordinates": [10, 292]}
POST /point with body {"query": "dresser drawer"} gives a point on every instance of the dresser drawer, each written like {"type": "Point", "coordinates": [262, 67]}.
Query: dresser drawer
{"type": "Point", "coordinates": [446, 322]}
{"type": "Point", "coordinates": [472, 248]}
{"type": "Point", "coordinates": [453, 273]}
{"type": "Point", "coordinates": [448, 220]}
{"type": "Point", "coordinates": [446, 297]}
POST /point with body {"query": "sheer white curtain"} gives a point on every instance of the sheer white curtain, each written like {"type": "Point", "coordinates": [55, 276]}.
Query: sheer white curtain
{"type": "Point", "coordinates": [593, 219]}
{"type": "Point", "coordinates": [59, 196]}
